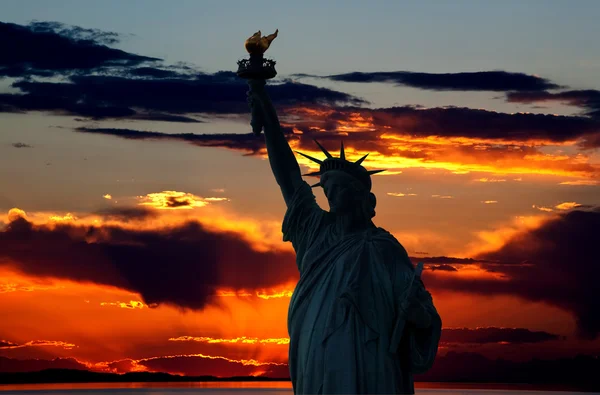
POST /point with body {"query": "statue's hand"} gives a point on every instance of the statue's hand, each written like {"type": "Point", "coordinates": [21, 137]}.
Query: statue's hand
{"type": "Point", "coordinates": [417, 314]}
{"type": "Point", "coordinates": [256, 110]}
{"type": "Point", "coordinates": [415, 310]}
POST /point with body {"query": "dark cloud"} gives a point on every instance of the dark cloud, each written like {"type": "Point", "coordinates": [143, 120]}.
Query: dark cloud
{"type": "Point", "coordinates": [49, 48]}
{"type": "Point", "coordinates": [578, 372]}
{"type": "Point", "coordinates": [198, 366]}
{"type": "Point", "coordinates": [467, 122]}
{"type": "Point", "coordinates": [559, 265]}
{"type": "Point", "coordinates": [467, 367]}
{"type": "Point", "coordinates": [99, 82]}
{"type": "Point", "coordinates": [34, 365]}
{"type": "Point", "coordinates": [556, 263]}
{"type": "Point", "coordinates": [404, 127]}
{"type": "Point", "coordinates": [587, 99]}
{"type": "Point", "coordinates": [591, 142]}
{"type": "Point", "coordinates": [245, 142]}
{"type": "Point", "coordinates": [447, 268]}
{"type": "Point", "coordinates": [102, 97]}
{"type": "Point", "coordinates": [500, 81]}
{"type": "Point", "coordinates": [105, 83]}
{"type": "Point", "coordinates": [167, 118]}
{"type": "Point", "coordinates": [182, 265]}
{"type": "Point", "coordinates": [75, 32]}
{"type": "Point", "coordinates": [565, 262]}
{"type": "Point", "coordinates": [126, 214]}
{"type": "Point", "coordinates": [447, 260]}
{"type": "Point", "coordinates": [518, 129]}
{"type": "Point", "coordinates": [62, 106]}
{"type": "Point", "coordinates": [219, 93]}
{"type": "Point", "coordinates": [174, 202]}
{"type": "Point", "coordinates": [22, 145]}
{"type": "Point", "coordinates": [121, 366]}
{"type": "Point", "coordinates": [276, 371]}
{"type": "Point", "coordinates": [7, 344]}
{"type": "Point", "coordinates": [509, 154]}
{"type": "Point", "coordinates": [446, 263]}
{"type": "Point", "coordinates": [443, 122]}
{"type": "Point", "coordinates": [495, 335]}
{"type": "Point", "coordinates": [155, 72]}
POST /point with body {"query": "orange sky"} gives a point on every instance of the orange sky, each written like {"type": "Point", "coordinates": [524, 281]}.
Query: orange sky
{"type": "Point", "coordinates": [110, 328]}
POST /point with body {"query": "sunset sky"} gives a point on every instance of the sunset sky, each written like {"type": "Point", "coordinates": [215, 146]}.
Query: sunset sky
{"type": "Point", "coordinates": [140, 223]}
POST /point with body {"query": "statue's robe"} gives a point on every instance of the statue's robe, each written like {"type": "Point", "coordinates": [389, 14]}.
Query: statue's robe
{"type": "Point", "coordinates": [344, 308]}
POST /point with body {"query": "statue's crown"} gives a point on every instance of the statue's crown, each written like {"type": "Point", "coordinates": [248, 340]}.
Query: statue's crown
{"type": "Point", "coordinates": [341, 164]}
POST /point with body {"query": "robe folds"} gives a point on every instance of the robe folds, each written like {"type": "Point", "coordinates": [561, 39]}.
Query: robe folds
{"type": "Point", "coordinates": [345, 306]}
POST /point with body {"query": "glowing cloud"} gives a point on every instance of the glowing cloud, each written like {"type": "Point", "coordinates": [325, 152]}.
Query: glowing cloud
{"type": "Point", "coordinates": [133, 304]}
{"type": "Point", "coordinates": [16, 213]}
{"type": "Point", "coordinates": [237, 340]}
{"type": "Point", "coordinates": [567, 205]}
{"type": "Point", "coordinates": [37, 343]}
{"type": "Point", "coordinates": [281, 294]}
{"type": "Point", "coordinates": [68, 217]}
{"type": "Point", "coordinates": [262, 294]}
{"type": "Point", "coordinates": [176, 200]}
{"type": "Point", "coordinates": [16, 287]}
{"type": "Point", "coordinates": [503, 232]}
{"type": "Point", "coordinates": [580, 182]}
{"type": "Point", "coordinates": [251, 362]}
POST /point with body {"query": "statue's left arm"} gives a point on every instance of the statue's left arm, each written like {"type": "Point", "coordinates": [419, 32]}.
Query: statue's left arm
{"type": "Point", "coordinates": [423, 328]}
{"type": "Point", "coordinates": [423, 336]}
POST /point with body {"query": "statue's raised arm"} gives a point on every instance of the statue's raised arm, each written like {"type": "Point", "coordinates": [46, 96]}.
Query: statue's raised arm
{"type": "Point", "coordinates": [257, 70]}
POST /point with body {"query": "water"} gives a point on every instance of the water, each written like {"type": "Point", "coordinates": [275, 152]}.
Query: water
{"type": "Point", "coordinates": [256, 388]}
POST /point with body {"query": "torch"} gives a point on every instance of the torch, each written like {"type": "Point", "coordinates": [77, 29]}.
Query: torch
{"type": "Point", "coordinates": [257, 69]}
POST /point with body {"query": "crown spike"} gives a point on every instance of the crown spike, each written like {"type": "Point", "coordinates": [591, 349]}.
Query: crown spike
{"type": "Point", "coordinates": [369, 172]}
{"type": "Point", "coordinates": [323, 149]}
{"type": "Point", "coordinates": [342, 153]}
{"type": "Point", "coordinates": [358, 162]}
{"type": "Point", "coordinates": [318, 184]}
{"type": "Point", "coordinates": [314, 173]}
{"type": "Point", "coordinates": [310, 157]}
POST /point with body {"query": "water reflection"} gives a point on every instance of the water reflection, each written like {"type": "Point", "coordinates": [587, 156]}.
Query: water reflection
{"type": "Point", "coordinates": [255, 388]}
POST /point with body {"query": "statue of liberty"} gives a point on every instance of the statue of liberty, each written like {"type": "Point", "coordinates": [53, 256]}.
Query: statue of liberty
{"type": "Point", "coordinates": [360, 320]}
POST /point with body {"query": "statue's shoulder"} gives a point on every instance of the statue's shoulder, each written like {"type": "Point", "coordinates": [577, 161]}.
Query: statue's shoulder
{"type": "Point", "coordinates": [390, 246]}
{"type": "Point", "coordinates": [383, 236]}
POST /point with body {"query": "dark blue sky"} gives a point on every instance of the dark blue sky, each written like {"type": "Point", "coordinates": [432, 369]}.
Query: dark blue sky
{"type": "Point", "coordinates": [556, 39]}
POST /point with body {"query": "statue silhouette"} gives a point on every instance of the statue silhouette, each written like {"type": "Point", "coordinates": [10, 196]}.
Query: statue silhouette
{"type": "Point", "coordinates": [360, 320]}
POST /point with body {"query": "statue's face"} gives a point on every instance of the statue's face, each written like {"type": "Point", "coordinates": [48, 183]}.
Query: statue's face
{"type": "Point", "coordinates": [340, 192]}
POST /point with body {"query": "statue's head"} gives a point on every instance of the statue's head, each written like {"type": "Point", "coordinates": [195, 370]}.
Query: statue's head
{"type": "Point", "coordinates": [347, 194]}
{"type": "Point", "coordinates": [347, 185]}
